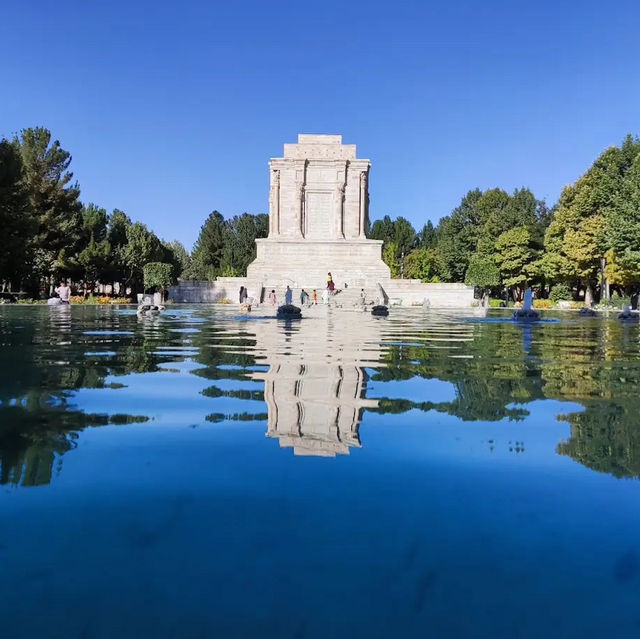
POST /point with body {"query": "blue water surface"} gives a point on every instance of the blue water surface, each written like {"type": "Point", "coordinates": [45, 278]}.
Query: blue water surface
{"type": "Point", "coordinates": [198, 475]}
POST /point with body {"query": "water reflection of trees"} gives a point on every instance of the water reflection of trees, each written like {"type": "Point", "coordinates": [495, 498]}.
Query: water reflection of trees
{"type": "Point", "coordinates": [44, 361]}
{"type": "Point", "coordinates": [315, 377]}
{"type": "Point", "coordinates": [594, 363]}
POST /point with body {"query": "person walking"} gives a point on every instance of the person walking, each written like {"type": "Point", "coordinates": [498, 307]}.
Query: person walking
{"type": "Point", "coordinates": [64, 292]}
{"type": "Point", "coordinates": [304, 298]}
{"type": "Point", "coordinates": [315, 297]}
{"type": "Point", "coordinates": [363, 297]}
{"type": "Point", "coordinates": [272, 298]}
{"type": "Point", "coordinates": [288, 296]}
{"type": "Point", "coordinates": [243, 295]}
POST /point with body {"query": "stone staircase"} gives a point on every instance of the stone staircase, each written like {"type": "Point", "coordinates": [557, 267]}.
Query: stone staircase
{"type": "Point", "coordinates": [347, 298]}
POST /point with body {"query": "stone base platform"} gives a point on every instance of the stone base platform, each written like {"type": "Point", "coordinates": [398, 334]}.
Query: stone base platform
{"type": "Point", "coordinates": [404, 292]}
{"type": "Point", "coordinates": [305, 264]}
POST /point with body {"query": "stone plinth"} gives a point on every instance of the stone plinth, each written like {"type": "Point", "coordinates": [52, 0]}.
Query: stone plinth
{"type": "Point", "coordinates": [280, 262]}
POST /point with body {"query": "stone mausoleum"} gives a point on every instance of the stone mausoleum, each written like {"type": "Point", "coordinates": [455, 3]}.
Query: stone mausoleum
{"type": "Point", "coordinates": [318, 217]}
{"type": "Point", "coordinates": [318, 220]}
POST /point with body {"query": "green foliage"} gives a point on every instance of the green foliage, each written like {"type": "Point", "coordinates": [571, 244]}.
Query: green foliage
{"type": "Point", "coordinates": [207, 252]}
{"type": "Point", "coordinates": [16, 221]}
{"type": "Point", "coordinates": [616, 301]}
{"type": "Point", "coordinates": [560, 292]}
{"type": "Point", "coordinates": [482, 272]}
{"type": "Point", "coordinates": [423, 264]}
{"type": "Point", "coordinates": [390, 258]}
{"type": "Point", "coordinates": [53, 201]}
{"type": "Point", "coordinates": [240, 233]}
{"type": "Point", "coordinates": [141, 248]}
{"type": "Point", "coordinates": [427, 237]}
{"type": "Point", "coordinates": [181, 259]}
{"type": "Point", "coordinates": [516, 256]}
{"type": "Point", "coordinates": [158, 275]}
{"type": "Point", "coordinates": [593, 215]}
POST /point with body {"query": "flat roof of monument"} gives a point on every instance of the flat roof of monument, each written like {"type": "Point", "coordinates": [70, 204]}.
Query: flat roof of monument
{"type": "Point", "coordinates": [319, 146]}
{"type": "Point", "coordinates": [318, 138]}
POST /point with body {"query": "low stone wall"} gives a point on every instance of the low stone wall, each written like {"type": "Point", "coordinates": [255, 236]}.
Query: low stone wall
{"type": "Point", "coordinates": [204, 292]}
{"type": "Point", "coordinates": [414, 292]}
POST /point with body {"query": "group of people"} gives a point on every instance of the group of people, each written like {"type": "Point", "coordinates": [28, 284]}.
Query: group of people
{"type": "Point", "coordinates": [306, 299]}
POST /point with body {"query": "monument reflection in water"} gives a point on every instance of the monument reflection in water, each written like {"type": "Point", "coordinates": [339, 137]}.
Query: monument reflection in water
{"type": "Point", "coordinates": [316, 383]}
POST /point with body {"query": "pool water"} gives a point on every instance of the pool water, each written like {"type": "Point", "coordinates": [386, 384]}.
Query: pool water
{"type": "Point", "coordinates": [208, 474]}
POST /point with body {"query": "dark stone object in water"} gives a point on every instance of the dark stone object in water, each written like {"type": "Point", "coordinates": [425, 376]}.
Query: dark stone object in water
{"type": "Point", "coordinates": [526, 314]}
{"type": "Point", "coordinates": [289, 311]}
{"type": "Point", "coordinates": [628, 315]}
{"type": "Point", "coordinates": [587, 312]}
{"type": "Point", "coordinates": [380, 310]}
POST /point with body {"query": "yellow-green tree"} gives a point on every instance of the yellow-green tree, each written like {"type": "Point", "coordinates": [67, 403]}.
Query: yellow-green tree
{"type": "Point", "coordinates": [516, 256]}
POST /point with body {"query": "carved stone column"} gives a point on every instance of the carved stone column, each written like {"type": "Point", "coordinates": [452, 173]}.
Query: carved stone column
{"type": "Point", "coordinates": [338, 199]}
{"type": "Point", "coordinates": [274, 204]}
{"type": "Point", "coordinates": [299, 210]}
{"type": "Point", "coordinates": [364, 196]}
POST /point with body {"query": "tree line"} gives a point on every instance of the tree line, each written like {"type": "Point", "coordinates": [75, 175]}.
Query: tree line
{"type": "Point", "coordinates": [588, 242]}
{"type": "Point", "coordinates": [48, 233]}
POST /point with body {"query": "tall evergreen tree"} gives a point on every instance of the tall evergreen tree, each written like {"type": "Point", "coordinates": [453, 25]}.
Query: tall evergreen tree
{"type": "Point", "coordinates": [53, 200]}
{"type": "Point", "coordinates": [207, 252]}
{"type": "Point", "coordinates": [17, 224]}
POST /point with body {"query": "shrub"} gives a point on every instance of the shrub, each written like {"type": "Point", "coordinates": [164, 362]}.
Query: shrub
{"type": "Point", "coordinates": [616, 301]}
{"type": "Point", "coordinates": [542, 304]}
{"type": "Point", "coordinates": [560, 292]}
{"type": "Point", "coordinates": [495, 303]}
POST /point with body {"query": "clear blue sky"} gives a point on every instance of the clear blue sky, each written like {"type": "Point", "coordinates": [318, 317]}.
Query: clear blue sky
{"type": "Point", "coordinates": [173, 109]}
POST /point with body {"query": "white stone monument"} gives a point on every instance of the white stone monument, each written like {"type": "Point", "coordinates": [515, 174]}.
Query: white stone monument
{"type": "Point", "coordinates": [318, 217]}
{"type": "Point", "coordinates": [318, 220]}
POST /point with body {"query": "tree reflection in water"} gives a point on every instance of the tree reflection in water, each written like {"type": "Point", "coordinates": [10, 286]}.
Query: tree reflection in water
{"type": "Point", "coordinates": [315, 376]}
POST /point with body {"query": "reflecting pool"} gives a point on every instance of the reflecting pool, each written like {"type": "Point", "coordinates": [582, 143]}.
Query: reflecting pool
{"type": "Point", "coordinates": [208, 474]}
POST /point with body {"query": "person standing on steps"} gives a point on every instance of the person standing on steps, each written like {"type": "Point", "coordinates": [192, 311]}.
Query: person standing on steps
{"type": "Point", "coordinates": [330, 284]}
{"type": "Point", "coordinates": [243, 295]}
{"type": "Point", "coordinates": [304, 298]}
{"type": "Point", "coordinates": [314, 297]}
{"type": "Point", "coordinates": [272, 297]}
{"type": "Point", "coordinates": [288, 296]}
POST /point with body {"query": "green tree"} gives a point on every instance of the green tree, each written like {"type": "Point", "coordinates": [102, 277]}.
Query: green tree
{"type": "Point", "coordinates": [390, 258]}
{"type": "Point", "coordinates": [577, 237]}
{"type": "Point", "coordinates": [516, 257]}
{"type": "Point", "coordinates": [17, 224]}
{"type": "Point", "coordinates": [484, 274]}
{"type": "Point", "coordinates": [208, 250]}
{"type": "Point", "coordinates": [159, 275]}
{"type": "Point", "coordinates": [240, 234]}
{"type": "Point", "coordinates": [53, 201]}
{"type": "Point", "coordinates": [142, 247]}
{"type": "Point", "coordinates": [182, 259]}
{"type": "Point", "coordinates": [424, 264]}
{"type": "Point", "coordinates": [427, 236]}
{"type": "Point", "coordinates": [623, 224]}
{"type": "Point", "coordinates": [382, 230]}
